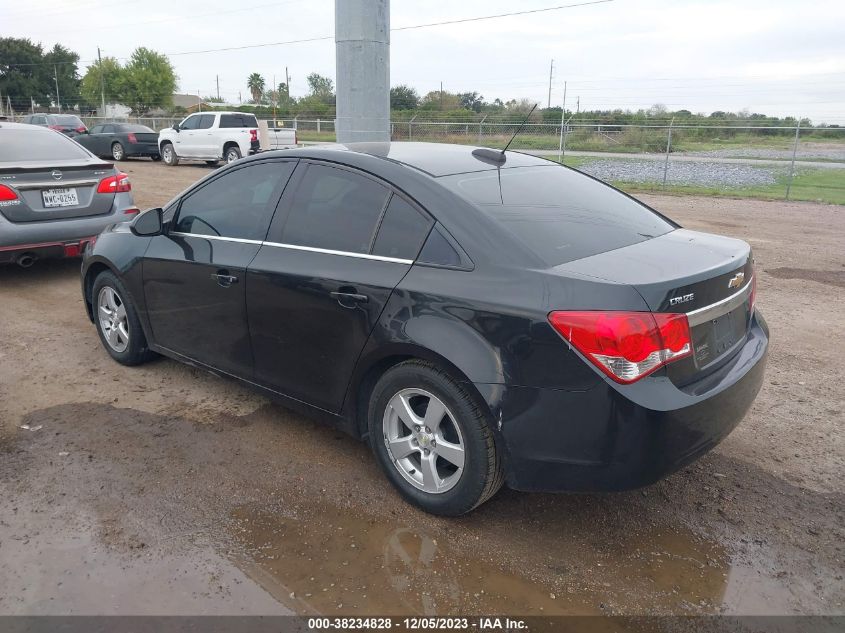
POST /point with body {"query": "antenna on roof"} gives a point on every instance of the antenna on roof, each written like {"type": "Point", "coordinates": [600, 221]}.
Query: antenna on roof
{"type": "Point", "coordinates": [519, 129]}
{"type": "Point", "coordinates": [498, 157]}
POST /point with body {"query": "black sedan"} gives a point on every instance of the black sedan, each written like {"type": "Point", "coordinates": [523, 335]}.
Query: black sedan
{"type": "Point", "coordinates": [477, 317]}
{"type": "Point", "coordinates": [120, 141]}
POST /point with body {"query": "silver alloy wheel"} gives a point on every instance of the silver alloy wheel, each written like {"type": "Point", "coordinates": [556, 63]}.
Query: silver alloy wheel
{"type": "Point", "coordinates": [112, 316]}
{"type": "Point", "coordinates": [232, 155]}
{"type": "Point", "coordinates": [117, 151]}
{"type": "Point", "coordinates": [423, 440]}
{"type": "Point", "coordinates": [167, 153]}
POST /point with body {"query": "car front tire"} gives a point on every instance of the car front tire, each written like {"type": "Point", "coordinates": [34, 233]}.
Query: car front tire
{"type": "Point", "coordinates": [117, 321]}
{"type": "Point", "coordinates": [168, 155]}
{"type": "Point", "coordinates": [433, 440]}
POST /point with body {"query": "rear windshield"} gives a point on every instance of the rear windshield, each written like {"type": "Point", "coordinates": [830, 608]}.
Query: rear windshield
{"type": "Point", "coordinates": [134, 128]}
{"type": "Point", "coordinates": [559, 213]}
{"type": "Point", "coordinates": [38, 144]}
{"type": "Point", "coordinates": [67, 119]}
{"type": "Point", "coordinates": [238, 120]}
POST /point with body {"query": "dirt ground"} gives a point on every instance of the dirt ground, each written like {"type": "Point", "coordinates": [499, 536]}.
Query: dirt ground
{"type": "Point", "coordinates": [163, 489]}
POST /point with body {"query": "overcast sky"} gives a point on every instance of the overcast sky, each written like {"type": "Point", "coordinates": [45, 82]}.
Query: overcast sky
{"type": "Point", "coordinates": [772, 56]}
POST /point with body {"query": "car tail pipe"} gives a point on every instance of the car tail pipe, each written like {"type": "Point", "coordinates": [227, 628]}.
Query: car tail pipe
{"type": "Point", "coordinates": [25, 260]}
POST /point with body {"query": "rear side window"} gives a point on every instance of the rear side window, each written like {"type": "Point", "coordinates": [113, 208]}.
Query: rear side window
{"type": "Point", "coordinates": [238, 204]}
{"type": "Point", "coordinates": [22, 145]}
{"type": "Point", "coordinates": [238, 120]}
{"type": "Point", "coordinates": [334, 209]}
{"type": "Point", "coordinates": [67, 120]}
{"type": "Point", "coordinates": [558, 213]}
{"type": "Point", "coordinates": [402, 231]}
{"type": "Point", "coordinates": [439, 251]}
{"type": "Point", "coordinates": [205, 122]}
{"type": "Point", "coordinates": [108, 129]}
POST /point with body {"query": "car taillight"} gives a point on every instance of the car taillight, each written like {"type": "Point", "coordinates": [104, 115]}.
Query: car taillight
{"type": "Point", "coordinates": [56, 127]}
{"type": "Point", "coordinates": [131, 137]}
{"type": "Point", "coordinates": [7, 194]}
{"type": "Point", "coordinates": [253, 136]}
{"type": "Point", "coordinates": [118, 183]}
{"type": "Point", "coordinates": [82, 129]}
{"type": "Point", "coordinates": [132, 211]}
{"type": "Point", "coordinates": [626, 345]}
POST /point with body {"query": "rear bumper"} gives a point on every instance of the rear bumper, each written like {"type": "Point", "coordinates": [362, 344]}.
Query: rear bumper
{"type": "Point", "coordinates": [142, 149]}
{"type": "Point", "coordinates": [43, 250]}
{"type": "Point", "coordinates": [615, 437]}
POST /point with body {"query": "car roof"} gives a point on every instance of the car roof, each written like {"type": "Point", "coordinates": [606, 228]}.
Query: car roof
{"type": "Point", "coordinates": [434, 159]}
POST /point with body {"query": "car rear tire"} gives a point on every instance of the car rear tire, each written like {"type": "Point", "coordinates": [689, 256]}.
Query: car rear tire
{"type": "Point", "coordinates": [156, 157]}
{"type": "Point", "coordinates": [117, 151]}
{"type": "Point", "coordinates": [212, 163]}
{"type": "Point", "coordinates": [117, 321]}
{"type": "Point", "coordinates": [168, 155]}
{"type": "Point", "coordinates": [441, 459]}
{"type": "Point", "coordinates": [232, 154]}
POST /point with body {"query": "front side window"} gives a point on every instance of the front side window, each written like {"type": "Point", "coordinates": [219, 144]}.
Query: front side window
{"type": "Point", "coordinates": [205, 122]}
{"type": "Point", "coordinates": [334, 209]}
{"type": "Point", "coordinates": [238, 204]}
{"type": "Point", "coordinates": [191, 123]}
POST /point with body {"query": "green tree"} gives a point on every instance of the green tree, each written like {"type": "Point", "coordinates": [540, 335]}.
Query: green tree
{"type": "Point", "coordinates": [404, 98]}
{"type": "Point", "coordinates": [60, 66]}
{"type": "Point", "coordinates": [321, 88]}
{"type": "Point", "coordinates": [148, 81]}
{"type": "Point", "coordinates": [471, 101]}
{"type": "Point", "coordinates": [255, 84]}
{"type": "Point", "coordinates": [437, 100]}
{"type": "Point", "coordinates": [22, 74]}
{"type": "Point", "coordinates": [112, 77]}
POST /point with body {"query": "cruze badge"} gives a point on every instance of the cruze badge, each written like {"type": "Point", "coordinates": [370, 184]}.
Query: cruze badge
{"type": "Point", "coordinates": [682, 299]}
{"type": "Point", "coordinates": [736, 280]}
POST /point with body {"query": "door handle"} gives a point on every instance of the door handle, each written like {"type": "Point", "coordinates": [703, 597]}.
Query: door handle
{"type": "Point", "coordinates": [349, 299]}
{"type": "Point", "coordinates": [224, 279]}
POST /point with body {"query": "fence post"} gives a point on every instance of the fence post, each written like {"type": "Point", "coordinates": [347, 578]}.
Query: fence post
{"type": "Point", "coordinates": [480, 123]}
{"type": "Point", "coordinates": [668, 149]}
{"type": "Point", "coordinates": [792, 163]}
{"type": "Point", "coordinates": [295, 122]}
{"type": "Point", "coordinates": [318, 125]}
{"type": "Point", "coordinates": [410, 123]}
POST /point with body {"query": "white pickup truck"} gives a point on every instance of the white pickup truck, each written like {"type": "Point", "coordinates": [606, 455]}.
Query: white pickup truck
{"type": "Point", "coordinates": [216, 136]}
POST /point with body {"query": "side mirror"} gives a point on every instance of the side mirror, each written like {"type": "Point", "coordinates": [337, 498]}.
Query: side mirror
{"type": "Point", "coordinates": [148, 224]}
{"type": "Point", "coordinates": [176, 126]}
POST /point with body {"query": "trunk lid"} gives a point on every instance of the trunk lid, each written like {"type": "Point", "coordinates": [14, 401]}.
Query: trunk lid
{"type": "Point", "coordinates": [56, 191]}
{"type": "Point", "coordinates": [707, 277]}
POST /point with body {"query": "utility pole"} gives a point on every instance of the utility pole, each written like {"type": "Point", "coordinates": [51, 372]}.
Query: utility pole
{"type": "Point", "coordinates": [441, 96]}
{"type": "Point", "coordinates": [287, 86]}
{"type": "Point", "coordinates": [362, 46]}
{"type": "Point", "coordinates": [56, 77]}
{"type": "Point", "coordinates": [217, 77]}
{"type": "Point", "coordinates": [102, 82]}
{"type": "Point", "coordinates": [275, 98]}
{"type": "Point", "coordinates": [562, 126]}
{"type": "Point", "coordinates": [551, 72]}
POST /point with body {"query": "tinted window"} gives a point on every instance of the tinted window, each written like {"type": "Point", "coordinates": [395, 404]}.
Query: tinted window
{"type": "Point", "coordinates": [402, 231]}
{"type": "Point", "coordinates": [238, 204]}
{"type": "Point", "coordinates": [133, 128]}
{"type": "Point", "coordinates": [334, 209]}
{"type": "Point", "coordinates": [558, 213]}
{"type": "Point", "coordinates": [67, 120]}
{"type": "Point", "coordinates": [97, 129]}
{"type": "Point", "coordinates": [238, 120]}
{"type": "Point", "coordinates": [39, 120]}
{"type": "Point", "coordinates": [438, 250]}
{"type": "Point", "coordinates": [19, 145]}
{"type": "Point", "coordinates": [190, 123]}
{"type": "Point", "coordinates": [206, 121]}
{"type": "Point", "coordinates": [108, 129]}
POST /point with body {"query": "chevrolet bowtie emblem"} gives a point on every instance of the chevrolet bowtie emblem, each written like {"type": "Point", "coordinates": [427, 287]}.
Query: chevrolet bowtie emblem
{"type": "Point", "coordinates": [736, 280]}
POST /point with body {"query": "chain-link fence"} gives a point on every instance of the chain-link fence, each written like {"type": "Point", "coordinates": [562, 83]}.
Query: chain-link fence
{"type": "Point", "coordinates": [733, 160]}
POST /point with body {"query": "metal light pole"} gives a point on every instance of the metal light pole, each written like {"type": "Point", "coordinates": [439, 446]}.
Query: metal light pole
{"type": "Point", "coordinates": [56, 77]}
{"type": "Point", "coordinates": [362, 45]}
{"type": "Point", "coordinates": [102, 82]}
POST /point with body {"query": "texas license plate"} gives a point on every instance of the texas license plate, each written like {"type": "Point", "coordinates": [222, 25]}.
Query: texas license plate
{"type": "Point", "coordinates": [59, 197]}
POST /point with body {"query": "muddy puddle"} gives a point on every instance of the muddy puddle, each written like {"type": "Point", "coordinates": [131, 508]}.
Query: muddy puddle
{"type": "Point", "coordinates": [332, 563]}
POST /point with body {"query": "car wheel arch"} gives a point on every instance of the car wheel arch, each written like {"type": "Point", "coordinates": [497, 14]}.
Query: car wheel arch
{"type": "Point", "coordinates": [369, 372]}
{"type": "Point", "coordinates": [94, 270]}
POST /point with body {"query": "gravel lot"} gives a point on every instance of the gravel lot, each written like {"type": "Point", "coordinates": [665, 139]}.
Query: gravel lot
{"type": "Point", "coordinates": [701, 173]}
{"type": "Point", "coordinates": [162, 489]}
{"type": "Point", "coordinates": [806, 151]}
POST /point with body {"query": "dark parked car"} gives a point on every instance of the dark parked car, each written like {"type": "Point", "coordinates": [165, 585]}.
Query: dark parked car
{"type": "Point", "coordinates": [68, 124]}
{"type": "Point", "coordinates": [121, 140]}
{"type": "Point", "coordinates": [55, 196]}
{"type": "Point", "coordinates": [476, 317]}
